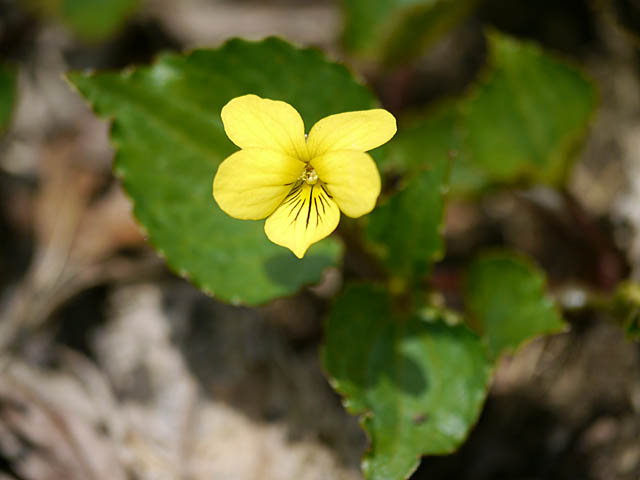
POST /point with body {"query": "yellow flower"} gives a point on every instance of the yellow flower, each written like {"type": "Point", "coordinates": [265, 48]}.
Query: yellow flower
{"type": "Point", "coordinates": [300, 183]}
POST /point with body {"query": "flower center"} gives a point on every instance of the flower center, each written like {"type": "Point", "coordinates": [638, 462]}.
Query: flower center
{"type": "Point", "coordinates": [309, 175]}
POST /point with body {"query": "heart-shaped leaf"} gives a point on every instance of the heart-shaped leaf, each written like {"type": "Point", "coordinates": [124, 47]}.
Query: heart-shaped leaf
{"type": "Point", "coordinates": [418, 382]}
{"type": "Point", "coordinates": [526, 118]}
{"type": "Point", "coordinates": [169, 140]}
{"type": "Point", "coordinates": [523, 121]}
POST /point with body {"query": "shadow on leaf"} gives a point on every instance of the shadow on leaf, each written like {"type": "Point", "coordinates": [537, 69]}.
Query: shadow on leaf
{"type": "Point", "coordinates": [287, 270]}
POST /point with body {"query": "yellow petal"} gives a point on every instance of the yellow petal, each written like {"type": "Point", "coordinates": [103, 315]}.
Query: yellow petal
{"type": "Point", "coordinates": [251, 183]}
{"type": "Point", "coordinates": [307, 216]}
{"type": "Point", "coordinates": [352, 179]}
{"type": "Point", "coordinates": [360, 131]}
{"type": "Point", "coordinates": [254, 122]}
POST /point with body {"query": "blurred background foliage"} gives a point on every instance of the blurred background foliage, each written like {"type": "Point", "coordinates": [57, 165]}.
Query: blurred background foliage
{"type": "Point", "coordinates": [518, 132]}
{"type": "Point", "coordinates": [91, 20]}
{"type": "Point", "coordinates": [7, 95]}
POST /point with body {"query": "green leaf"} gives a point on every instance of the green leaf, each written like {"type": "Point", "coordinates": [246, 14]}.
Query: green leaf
{"type": "Point", "coordinates": [169, 140]}
{"type": "Point", "coordinates": [407, 230]}
{"type": "Point", "coordinates": [7, 95]}
{"type": "Point", "coordinates": [506, 302]}
{"type": "Point", "coordinates": [419, 383]}
{"type": "Point", "coordinates": [528, 115]}
{"type": "Point", "coordinates": [523, 122]}
{"type": "Point", "coordinates": [396, 30]}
